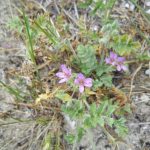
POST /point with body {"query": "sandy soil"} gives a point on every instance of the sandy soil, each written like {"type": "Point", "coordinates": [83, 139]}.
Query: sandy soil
{"type": "Point", "coordinates": [14, 136]}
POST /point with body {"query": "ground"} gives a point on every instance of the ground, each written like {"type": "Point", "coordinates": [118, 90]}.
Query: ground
{"type": "Point", "coordinates": [24, 135]}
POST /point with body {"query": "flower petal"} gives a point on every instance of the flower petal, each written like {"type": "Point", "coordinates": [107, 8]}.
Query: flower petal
{"type": "Point", "coordinates": [107, 60]}
{"type": "Point", "coordinates": [113, 55]}
{"type": "Point", "coordinates": [69, 70]}
{"type": "Point", "coordinates": [118, 67]}
{"type": "Point", "coordinates": [66, 70]}
{"type": "Point", "coordinates": [60, 75]}
{"type": "Point", "coordinates": [76, 81]}
{"type": "Point", "coordinates": [63, 68]}
{"type": "Point", "coordinates": [121, 59]}
{"type": "Point", "coordinates": [80, 76]}
{"type": "Point", "coordinates": [81, 88]}
{"type": "Point", "coordinates": [63, 80]}
{"type": "Point", "coordinates": [113, 63]}
{"type": "Point", "coordinates": [124, 68]}
{"type": "Point", "coordinates": [88, 82]}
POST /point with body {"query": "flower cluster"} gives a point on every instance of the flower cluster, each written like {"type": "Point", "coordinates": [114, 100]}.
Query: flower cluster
{"type": "Point", "coordinates": [117, 61]}
{"type": "Point", "coordinates": [81, 81]}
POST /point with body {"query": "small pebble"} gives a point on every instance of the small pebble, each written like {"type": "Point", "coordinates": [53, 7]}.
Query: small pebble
{"type": "Point", "coordinates": [148, 11]}
{"type": "Point", "coordinates": [71, 123]}
{"type": "Point", "coordinates": [2, 75]}
{"type": "Point", "coordinates": [130, 6]}
{"type": "Point", "coordinates": [147, 72]}
{"type": "Point", "coordinates": [145, 127]}
{"type": "Point", "coordinates": [127, 5]}
{"type": "Point", "coordinates": [144, 97]}
{"type": "Point", "coordinates": [147, 3]}
{"type": "Point", "coordinates": [94, 28]}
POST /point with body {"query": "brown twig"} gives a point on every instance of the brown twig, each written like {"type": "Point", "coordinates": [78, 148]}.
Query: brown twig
{"type": "Point", "coordinates": [33, 106]}
{"type": "Point", "coordinates": [133, 77]}
{"type": "Point", "coordinates": [71, 18]}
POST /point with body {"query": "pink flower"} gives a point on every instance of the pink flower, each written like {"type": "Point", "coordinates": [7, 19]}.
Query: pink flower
{"type": "Point", "coordinates": [111, 59]}
{"type": "Point", "coordinates": [65, 74]}
{"type": "Point", "coordinates": [82, 82]}
{"type": "Point", "coordinates": [120, 64]}
{"type": "Point", "coordinates": [114, 60]}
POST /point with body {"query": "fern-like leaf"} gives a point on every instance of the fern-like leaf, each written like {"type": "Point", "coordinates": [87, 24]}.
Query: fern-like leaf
{"type": "Point", "coordinates": [124, 45]}
{"type": "Point", "coordinates": [87, 59]}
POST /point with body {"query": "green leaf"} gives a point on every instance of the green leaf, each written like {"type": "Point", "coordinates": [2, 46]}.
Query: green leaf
{"type": "Point", "coordinates": [106, 80]}
{"type": "Point", "coordinates": [98, 6]}
{"type": "Point", "coordinates": [121, 128]}
{"type": "Point", "coordinates": [47, 142]}
{"type": "Point", "coordinates": [49, 34]}
{"type": "Point", "coordinates": [70, 138]}
{"type": "Point", "coordinates": [81, 132]}
{"type": "Point", "coordinates": [103, 68]}
{"type": "Point", "coordinates": [87, 59]}
{"type": "Point", "coordinates": [93, 109]}
{"type": "Point", "coordinates": [102, 107]}
{"type": "Point", "coordinates": [110, 121]}
{"type": "Point", "coordinates": [43, 120]}
{"type": "Point", "coordinates": [127, 108]}
{"type": "Point", "coordinates": [102, 72]}
{"type": "Point", "coordinates": [63, 96]}
{"type": "Point", "coordinates": [74, 110]}
{"type": "Point", "coordinates": [111, 109]}
{"type": "Point", "coordinates": [97, 84]}
{"type": "Point", "coordinates": [124, 45]}
{"type": "Point", "coordinates": [15, 24]}
{"type": "Point", "coordinates": [110, 4]}
{"type": "Point", "coordinates": [30, 51]}
{"type": "Point", "coordinates": [109, 30]}
{"type": "Point", "coordinates": [88, 122]}
{"type": "Point", "coordinates": [85, 4]}
{"type": "Point", "coordinates": [91, 120]}
{"type": "Point", "coordinates": [143, 57]}
{"type": "Point", "coordinates": [101, 121]}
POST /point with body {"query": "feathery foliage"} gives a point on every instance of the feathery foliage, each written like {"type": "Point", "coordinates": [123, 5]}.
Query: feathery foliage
{"type": "Point", "coordinates": [87, 59]}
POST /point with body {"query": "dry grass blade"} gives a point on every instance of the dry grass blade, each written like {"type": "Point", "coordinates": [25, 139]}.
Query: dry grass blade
{"type": "Point", "coordinates": [146, 17]}
{"type": "Point", "coordinates": [13, 91]}
{"type": "Point", "coordinates": [132, 79]}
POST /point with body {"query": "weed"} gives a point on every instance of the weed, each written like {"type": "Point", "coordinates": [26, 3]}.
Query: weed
{"type": "Point", "coordinates": [88, 62]}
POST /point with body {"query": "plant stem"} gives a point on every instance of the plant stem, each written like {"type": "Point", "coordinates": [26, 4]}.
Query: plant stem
{"type": "Point", "coordinates": [87, 105]}
{"type": "Point", "coordinates": [30, 51]}
{"type": "Point", "coordinates": [109, 135]}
